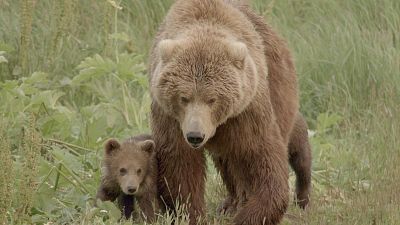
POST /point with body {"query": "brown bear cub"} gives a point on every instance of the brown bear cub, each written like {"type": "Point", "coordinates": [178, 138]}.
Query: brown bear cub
{"type": "Point", "coordinates": [129, 173]}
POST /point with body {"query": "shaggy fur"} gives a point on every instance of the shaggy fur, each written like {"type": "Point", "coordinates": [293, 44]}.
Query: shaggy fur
{"type": "Point", "coordinates": [131, 164]}
{"type": "Point", "coordinates": [219, 72]}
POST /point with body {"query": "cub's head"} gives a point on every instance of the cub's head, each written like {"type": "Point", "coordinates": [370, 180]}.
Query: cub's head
{"type": "Point", "coordinates": [203, 82]}
{"type": "Point", "coordinates": [128, 163]}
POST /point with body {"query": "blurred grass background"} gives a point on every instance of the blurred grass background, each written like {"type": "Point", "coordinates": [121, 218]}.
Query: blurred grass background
{"type": "Point", "coordinates": [73, 73]}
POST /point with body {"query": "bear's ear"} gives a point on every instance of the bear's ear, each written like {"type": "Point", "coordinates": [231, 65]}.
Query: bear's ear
{"type": "Point", "coordinates": [147, 146]}
{"type": "Point", "coordinates": [238, 52]}
{"type": "Point", "coordinates": [167, 48]}
{"type": "Point", "coordinates": [111, 146]}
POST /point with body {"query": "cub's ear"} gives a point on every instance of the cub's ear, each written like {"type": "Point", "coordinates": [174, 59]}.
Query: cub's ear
{"type": "Point", "coordinates": [167, 48]}
{"type": "Point", "coordinates": [238, 52]}
{"type": "Point", "coordinates": [111, 146]}
{"type": "Point", "coordinates": [147, 146]}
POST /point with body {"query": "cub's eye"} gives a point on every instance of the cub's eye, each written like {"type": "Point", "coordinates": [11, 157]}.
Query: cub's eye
{"type": "Point", "coordinates": [184, 100]}
{"type": "Point", "coordinates": [211, 101]}
{"type": "Point", "coordinates": [122, 171]}
{"type": "Point", "coordinates": [139, 171]}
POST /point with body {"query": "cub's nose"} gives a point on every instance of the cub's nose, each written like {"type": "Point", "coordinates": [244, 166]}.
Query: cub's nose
{"type": "Point", "coordinates": [131, 189]}
{"type": "Point", "coordinates": [195, 138]}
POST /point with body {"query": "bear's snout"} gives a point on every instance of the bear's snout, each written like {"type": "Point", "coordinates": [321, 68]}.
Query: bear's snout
{"type": "Point", "coordinates": [195, 138]}
{"type": "Point", "coordinates": [196, 125]}
{"type": "Point", "coordinates": [131, 189]}
{"type": "Point", "coordinates": [130, 185]}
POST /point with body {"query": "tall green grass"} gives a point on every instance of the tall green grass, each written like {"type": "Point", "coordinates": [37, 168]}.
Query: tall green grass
{"type": "Point", "coordinates": [78, 67]}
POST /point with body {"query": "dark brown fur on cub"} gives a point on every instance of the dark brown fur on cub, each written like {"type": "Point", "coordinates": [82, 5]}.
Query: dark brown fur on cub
{"type": "Point", "coordinates": [129, 173]}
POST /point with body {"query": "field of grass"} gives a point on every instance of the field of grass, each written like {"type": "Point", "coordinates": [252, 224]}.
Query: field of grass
{"type": "Point", "coordinates": [73, 73]}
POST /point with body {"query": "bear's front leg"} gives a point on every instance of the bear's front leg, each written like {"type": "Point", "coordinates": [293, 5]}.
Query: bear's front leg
{"type": "Point", "coordinates": [181, 169]}
{"type": "Point", "coordinates": [181, 180]}
{"type": "Point", "coordinates": [229, 204]}
{"type": "Point", "coordinates": [149, 204]}
{"type": "Point", "coordinates": [267, 191]}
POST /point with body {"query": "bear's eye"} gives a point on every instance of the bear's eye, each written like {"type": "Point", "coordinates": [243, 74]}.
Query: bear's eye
{"type": "Point", "coordinates": [139, 171]}
{"type": "Point", "coordinates": [184, 100]}
{"type": "Point", "coordinates": [122, 171]}
{"type": "Point", "coordinates": [211, 101]}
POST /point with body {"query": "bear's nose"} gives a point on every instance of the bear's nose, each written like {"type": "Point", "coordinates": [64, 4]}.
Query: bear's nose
{"type": "Point", "coordinates": [131, 189]}
{"type": "Point", "coordinates": [195, 138]}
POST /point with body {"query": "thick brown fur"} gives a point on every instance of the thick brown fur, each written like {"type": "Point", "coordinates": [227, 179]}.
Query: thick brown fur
{"type": "Point", "coordinates": [218, 70]}
{"type": "Point", "coordinates": [130, 163]}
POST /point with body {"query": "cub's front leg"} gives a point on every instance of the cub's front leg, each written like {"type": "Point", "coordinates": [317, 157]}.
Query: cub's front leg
{"type": "Point", "coordinates": [106, 194]}
{"type": "Point", "coordinates": [126, 204]}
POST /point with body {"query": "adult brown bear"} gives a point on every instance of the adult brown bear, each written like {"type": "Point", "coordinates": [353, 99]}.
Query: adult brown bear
{"type": "Point", "coordinates": [222, 79]}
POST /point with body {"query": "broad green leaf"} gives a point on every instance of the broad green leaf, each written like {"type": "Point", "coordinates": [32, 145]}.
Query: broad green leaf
{"type": "Point", "coordinates": [28, 89]}
{"type": "Point", "coordinates": [9, 85]}
{"type": "Point", "coordinates": [49, 98]}
{"type": "Point", "coordinates": [111, 209]}
{"type": "Point", "coordinates": [72, 162]}
{"type": "Point", "coordinates": [36, 78]}
{"type": "Point", "coordinates": [3, 59]}
{"type": "Point", "coordinates": [93, 67]}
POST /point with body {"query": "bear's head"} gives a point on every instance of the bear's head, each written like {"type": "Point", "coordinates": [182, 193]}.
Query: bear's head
{"type": "Point", "coordinates": [128, 163]}
{"type": "Point", "coordinates": [201, 82]}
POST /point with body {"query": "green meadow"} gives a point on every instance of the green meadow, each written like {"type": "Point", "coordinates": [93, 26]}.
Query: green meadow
{"type": "Point", "coordinates": [74, 73]}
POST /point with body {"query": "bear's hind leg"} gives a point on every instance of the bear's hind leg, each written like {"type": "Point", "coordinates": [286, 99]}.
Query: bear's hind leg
{"type": "Point", "coordinates": [300, 160]}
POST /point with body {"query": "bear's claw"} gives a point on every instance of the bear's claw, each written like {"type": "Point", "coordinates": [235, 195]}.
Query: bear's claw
{"type": "Point", "coordinates": [227, 207]}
